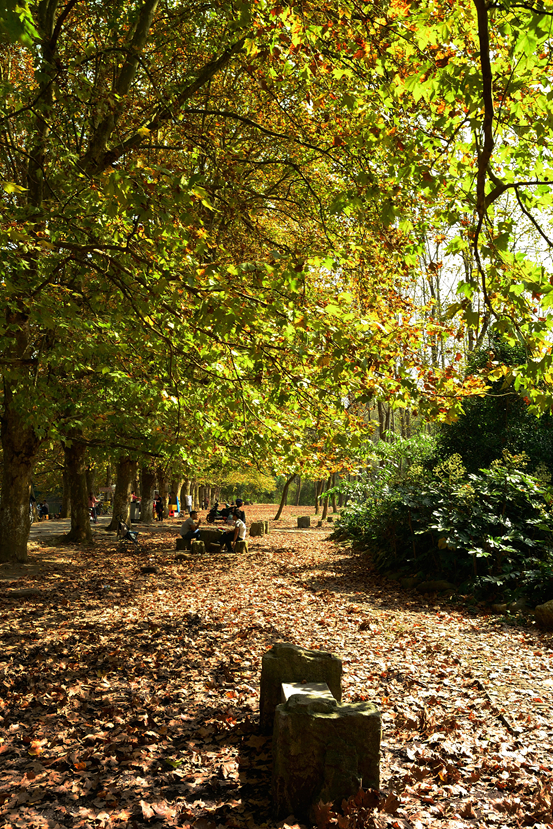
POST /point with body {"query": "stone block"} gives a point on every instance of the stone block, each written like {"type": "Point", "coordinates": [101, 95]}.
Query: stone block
{"type": "Point", "coordinates": [214, 547]}
{"type": "Point", "coordinates": [197, 547]}
{"type": "Point", "coordinates": [210, 535]}
{"type": "Point", "coordinates": [289, 663]}
{"type": "Point", "coordinates": [319, 523]}
{"type": "Point", "coordinates": [318, 689]}
{"type": "Point", "coordinates": [330, 519]}
{"type": "Point", "coordinates": [257, 528]}
{"type": "Point", "coordinates": [182, 544]}
{"type": "Point", "coordinates": [267, 529]}
{"type": "Point", "coordinates": [241, 547]}
{"type": "Point", "coordinates": [544, 615]}
{"type": "Point", "coordinates": [304, 521]}
{"type": "Point", "coordinates": [322, 751]}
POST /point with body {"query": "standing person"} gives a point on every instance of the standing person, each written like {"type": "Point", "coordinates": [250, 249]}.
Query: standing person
{"type": "Point", "coordinates": [44, 510]}
{"type": "Point", "coordinates": [92, 501]}
{"type": "Point", "coordinates": [237, 533]}
{"type": "Point", "coordinates": [191, 527]}
{"type": "Point", "coordinates": [188, 504]}
{"type": "Point", "coordinates": [159, 507]}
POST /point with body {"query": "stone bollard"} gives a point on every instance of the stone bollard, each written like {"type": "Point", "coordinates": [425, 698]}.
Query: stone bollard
{"type": "Point", "coordinates": [257, 528]}
{"type": "Point", "coordinates": [197, 547]}
{"type": "Point", "coordinates": [266, 526]}
{"type": "Point", "coordinates": [319, 523]}
{"type": "Point", "coordinates": [182, 544]}
{"type": "Point", "coordinates": [330, 519]}
{"type": "Point", "coordinates": [322, 751]}
{"type": "Point", "coordinates": [241, 547]}
{"type": "Point", "coordinates": [304, 521]}
{"type": "Point", "coordinates": [289, 663]}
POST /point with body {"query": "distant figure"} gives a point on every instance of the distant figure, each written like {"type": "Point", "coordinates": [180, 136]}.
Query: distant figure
{"type": "Point", "coordinates": [188, 504]}
{"type": "Point", "coordinates": [158, 506]}
{"type": "Point", "coordinates": [44, 510]}
{"type": "Point", "coordinates": [92, 502]}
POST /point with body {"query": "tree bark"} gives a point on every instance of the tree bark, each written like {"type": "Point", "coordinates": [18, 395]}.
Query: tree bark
{"type": "Point", "coordinates": [334, 507]}
{"type": "Point", "coordinates": [318, 490]}
{"type": "Point", "coordinates": [147, 486]}
{"type": "Point", "coordinates": [20, 446]}
{"type": "Point", "coordinates": [284, 496]}
{"type": "Point", "coordinates": [66, 497]}
{"type": "Point", "coordinates": [325, 500]}
{"type": "Point", "coordinates": [298, 490]}
{"type": "Point", "coordinates": [75, 462]}
{"type": "Point", "coordinates": [163, 487]}
{"type": "Point", "coordinates": [126, 469]}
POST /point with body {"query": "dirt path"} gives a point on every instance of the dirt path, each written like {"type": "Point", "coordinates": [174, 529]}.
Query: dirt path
{"type": "Point", "coordinates": [131, 700]}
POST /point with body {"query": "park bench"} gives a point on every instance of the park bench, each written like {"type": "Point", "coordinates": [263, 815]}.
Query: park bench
{"type": "Point", "coordinates": [323, 750]}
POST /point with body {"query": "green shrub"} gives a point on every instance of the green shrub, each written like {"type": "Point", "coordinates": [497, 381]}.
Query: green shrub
{"type": "Point", "coordinates": [491, 529]}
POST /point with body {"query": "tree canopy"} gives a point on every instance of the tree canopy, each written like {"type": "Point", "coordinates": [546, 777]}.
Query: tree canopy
{"type": "Point", "coordinates": [214, 221]}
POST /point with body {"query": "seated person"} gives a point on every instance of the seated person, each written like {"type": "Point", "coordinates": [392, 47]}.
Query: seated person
{"type": "Point", "coordinates": [238, 532]}
{"type": "Point", "coordinates": [239, 510]}
{"type": "Point", "coordinates": [191, 527]}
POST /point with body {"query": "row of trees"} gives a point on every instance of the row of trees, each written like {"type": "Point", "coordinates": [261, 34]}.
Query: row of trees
{"type": "Point", "coordinates": [213, 218]}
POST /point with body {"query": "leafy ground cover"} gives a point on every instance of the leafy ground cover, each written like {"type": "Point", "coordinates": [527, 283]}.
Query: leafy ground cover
{"type": "Point", "coordinates": [130, 699]}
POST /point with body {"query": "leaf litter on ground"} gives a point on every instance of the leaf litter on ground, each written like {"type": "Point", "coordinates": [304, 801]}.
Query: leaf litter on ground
{"type": "Point", "coordinates": [131, 699]}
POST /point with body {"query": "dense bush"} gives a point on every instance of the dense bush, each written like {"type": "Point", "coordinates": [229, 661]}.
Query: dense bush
{"type": "Point", "coordinates": [491, 529]}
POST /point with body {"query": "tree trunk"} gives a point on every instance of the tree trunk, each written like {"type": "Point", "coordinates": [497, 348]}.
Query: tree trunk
{"type": "Point", "coordinates": [20, 446]}
{"type": "Point", "coordinates": [318, 490]}
{"type": "Point", "coordinates": [298, 490]}
{"type": "Point", "coordinates": [66, 497]}
{"type": "Point", "coordinates": [147, 486]}
{"type": "Point", "coordinates": [163, 489]}
{"type": "Point", "coordinates": [284, 496]}
{"type": "Point", "coordinates": [186, 489]}
{"type": "Point", "coordinates": [334, 507]}
{"type": "Point", "coordinates": [126, 469]}
{"type": "Point", "coordinates": [77, 474]}
{"type": "Point", "coordinates": [325, 500]}
{"type": "Point", "coordinates": [194, 494]}
{"type": "Point", "coordinates": [108, 474]}
{"type": "Point", "coordinates": [90, 479]}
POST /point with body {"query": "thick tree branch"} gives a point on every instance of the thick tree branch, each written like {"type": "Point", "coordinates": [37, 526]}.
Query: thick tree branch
{"type": "Point", "coordinates": [98, 158]}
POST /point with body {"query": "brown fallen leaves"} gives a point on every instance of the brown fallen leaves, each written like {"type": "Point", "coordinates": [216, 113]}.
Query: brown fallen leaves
{"type": "Point", "coordinates": [130, 699]}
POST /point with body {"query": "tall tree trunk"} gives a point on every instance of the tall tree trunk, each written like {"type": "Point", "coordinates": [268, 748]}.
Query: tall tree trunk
{"type": "Point", "coordinates": [334, 507]}
{"type": "Point", "coordinates": [194, 494]}
{"type": "Point", "coordinates": [66, 497]}
{"type": "Point", "coordinates": [126, 470]}
{"type": "Point", "coordinates": [147, 486]}
{"type": "Point", "coordinates": [20, 446]}
{"type": "Point", "coordinates": [75, 455]}
{"type": "Point", "coordinates": [298, 490]}
{"type": "Point", "coordinates": [90, 478]}
{"type": "Point", "coordinates": [318, 490]}
{"type": "Point", "coordinates": [325, 500]}
{"type": "Point", "coordinates": [186, 489]}
{"type": "Point", "coordinates": [284, 496]}
{"type": "Point", "coordinates": [108, 474]}
{"type": "Point", "coordinates": [163, 489]}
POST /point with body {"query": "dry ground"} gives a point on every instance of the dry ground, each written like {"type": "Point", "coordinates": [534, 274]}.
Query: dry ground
{"type": "Point", "coordinates": [130, 700]}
